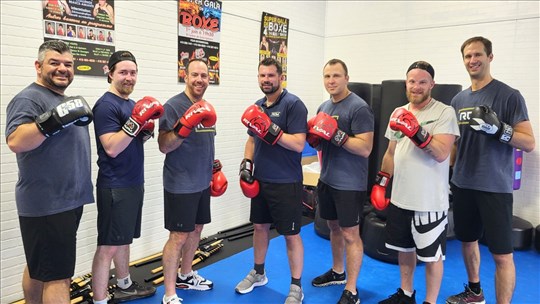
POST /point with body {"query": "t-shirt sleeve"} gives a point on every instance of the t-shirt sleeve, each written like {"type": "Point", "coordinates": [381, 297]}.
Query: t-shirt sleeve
{"type": "Point", "coordinates": [297, 118]}
{"type": "Point", "coordinates": [21, 110]}
{"type": "Point", "coordinates": [362, 121]}
{"type": "Point", "coordinates": [106, 119]}
{"type": "Point", "coordinates": [447, 123]}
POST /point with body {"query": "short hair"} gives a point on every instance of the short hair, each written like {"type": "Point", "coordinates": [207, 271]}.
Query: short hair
{"type": "Point", "coordinates": [337, 61]}
{"type": "Point", "coordinates": [52, 45]}
{"type": "Point", "coordinates": [272, 62]}
{"type": "Point", "coordinates": [487, 44]}
{"type": "Point", "coordinates": [193, 60]}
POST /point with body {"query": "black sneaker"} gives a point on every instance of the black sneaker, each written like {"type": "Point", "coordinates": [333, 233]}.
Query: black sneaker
{"type": "Point", "coordinates": [467, 297]}
{"type": "Point", "coordinates": [348, 298]}
{"type": "Point", "coordinates": [134, 291]}
{"type": "Point", "coordinates": [329, 278]}
{"type": "Point", "coordinates": [400, 298]}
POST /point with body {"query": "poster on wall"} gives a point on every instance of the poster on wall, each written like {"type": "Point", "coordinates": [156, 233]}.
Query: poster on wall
{"type": "Point", "coordinates": [199, 27]}
{"type": "Point", "coordinates": [87, 26]}
{"type": "Point", "coordinates": [274, 40]}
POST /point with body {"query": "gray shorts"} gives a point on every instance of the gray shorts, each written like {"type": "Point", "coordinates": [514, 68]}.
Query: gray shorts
{"type": "Point", "coordinates": [423, 232]}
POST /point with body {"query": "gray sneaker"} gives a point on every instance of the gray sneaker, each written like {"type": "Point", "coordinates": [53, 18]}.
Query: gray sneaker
{"type": "Point", "coordinates": [295, 295]}
{"type": "Point", "coordinates": [134, 291]}
{"type": "Point", "coordinates": [250, 281]}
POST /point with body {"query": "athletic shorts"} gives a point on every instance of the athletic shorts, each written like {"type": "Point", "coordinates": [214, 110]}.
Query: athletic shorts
{"type": "Point", "coordinates": [423, 232]}
{"type": "Point", "coordinates": [342, 205]}
{"type": "Point", "coordinates": [183, 211]}
{"type": "Point", "coordinates": [477, 212]}
{"type": "Point", "coordinates": [119, 215]}
{"type": "Point", "coordinates": [280, 204]}
{"type": "Point", "coordinates": [50, 244]}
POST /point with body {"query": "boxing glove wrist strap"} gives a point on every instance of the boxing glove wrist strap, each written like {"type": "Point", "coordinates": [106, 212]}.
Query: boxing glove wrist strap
{"type": "Point", "coordinates": [382, 179]}
{"type": "Point", "coordinates": [131, 127]}
{"type": "Point", "coordinates": [506, 133]}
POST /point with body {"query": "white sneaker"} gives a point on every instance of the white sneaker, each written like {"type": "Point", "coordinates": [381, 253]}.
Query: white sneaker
{"type": "Point", "coordinates": [173, 300]}
{"type": "Point", "coordinates": [194, 281]}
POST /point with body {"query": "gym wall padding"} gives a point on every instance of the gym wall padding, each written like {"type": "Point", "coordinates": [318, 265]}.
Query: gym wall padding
{"type": "Point", "coordinates": [370, 93]}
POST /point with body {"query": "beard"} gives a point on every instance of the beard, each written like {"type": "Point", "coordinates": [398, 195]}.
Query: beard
{"type": "Point", "coordinates": [125, 88]}
{"type": "Point", "coordinates": [417, 99]}
{"type": "Point", "coordinates": [269, 90]}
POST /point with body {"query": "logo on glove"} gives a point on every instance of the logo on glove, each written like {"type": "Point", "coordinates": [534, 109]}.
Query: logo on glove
{"type": "Point", "coordinates": [406, 124]}
{"type": "Point", "coordinates": [483, 126]}
{"type": "Point", "coordinates": [255, 125]}
{"type": "Point", "coordinates": [67, 106]}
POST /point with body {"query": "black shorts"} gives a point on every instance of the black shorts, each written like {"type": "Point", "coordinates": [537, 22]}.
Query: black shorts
{"type": "Point", "coordinates": [280, 204]}
{"type": "Point", "coordinates": [423, 232]}
{"type": "Point", "coordinates": [477, 212]}
{"type": "Point", "coordinates": [183, 211]}
{"type": "Point", "coordinates": [50, 244]}
{"type": "Point", "coordinates": [342, 205]}
{"type": "Point", "coordinates": [119, 215]}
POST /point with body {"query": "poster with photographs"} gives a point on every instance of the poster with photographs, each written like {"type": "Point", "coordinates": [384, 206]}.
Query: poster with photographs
{"type": "Point", "coordinates": [274, 40]}
{"type": "Point", "coordinates": [87, 26]}
{"type": "Point", "coordinates": [199, 28]}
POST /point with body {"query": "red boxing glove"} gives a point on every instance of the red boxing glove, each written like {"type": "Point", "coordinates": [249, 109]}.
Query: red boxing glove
{"type": "Point", "coordinates": [200, 112]}
{"type": "Point", "coordinates": [404, 121]}
{"type": "Point", "coordinates": [147, 130]}
{"type": "Point", "coordinates": [257, 121]}
{"type": "Point", "coordinates": [248, 184]}
{"type": "Point", "coordinates": [313, 140]}
{"type": "Point", "coordinates": [378, 192]}
{"type": "Point", "coordinates": [145, 109]}
{"type": "Point", "coordinates": [326, 127]}
{"type": "Point", "coordinates": [219, 183]}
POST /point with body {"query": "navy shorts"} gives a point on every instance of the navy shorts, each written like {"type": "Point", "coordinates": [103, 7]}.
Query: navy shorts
{"type": "Point", "coordinates": [183, 211]}
{"type": "Point", "coordinates": [342, 205]}
{"type": "Point", "coordinates": [119, 215]}
{"type": "Point", "coordinates": [50, 244]}
{"type": "Point", "coordinates": [280, 204]}
{"type": "Point", "coordinates": [477, 212]}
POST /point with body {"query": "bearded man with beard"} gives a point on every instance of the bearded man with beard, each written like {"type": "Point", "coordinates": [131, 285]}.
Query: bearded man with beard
{"type": "Point", "coordinates": [122, 126]}
{"type": "Point", "coordinates": [271, 175]}
{"type": "Point", "coordinates": [421, 136]}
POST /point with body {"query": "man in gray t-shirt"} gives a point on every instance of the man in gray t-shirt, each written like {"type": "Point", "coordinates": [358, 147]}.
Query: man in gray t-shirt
{"type": "Point", "coordinates": [48, 132]}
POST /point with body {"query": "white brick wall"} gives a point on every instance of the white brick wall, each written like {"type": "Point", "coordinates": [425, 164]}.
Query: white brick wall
{"type": "Point", "coordinates": [377, 40]}
{"type": "Point", "coordinates": [149, 30]}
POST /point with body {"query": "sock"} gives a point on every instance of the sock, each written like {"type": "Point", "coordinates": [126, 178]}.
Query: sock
{"type": "Point", "coordinates": [259, 268]}
{"type": "Point", "coordinates": [185, 276]}
{"type": "Point", "coordinates": [296, 282]}
{"type": "Point", "coordinates": [407, 293]}
{"type": "Point", "coordinates": [125, 282]}
{"type": "Point", "coordinates": [104, 301]}
{"type": "Point", "coordinates": [340, 273]}
{"type": "Point", "coordinates": [475, 287]}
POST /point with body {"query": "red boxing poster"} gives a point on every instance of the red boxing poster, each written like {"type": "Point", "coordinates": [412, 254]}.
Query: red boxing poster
{"type": "Point", "coordinates": [274, 40]}
{"type": "Point", "coordinates": [199, 27]}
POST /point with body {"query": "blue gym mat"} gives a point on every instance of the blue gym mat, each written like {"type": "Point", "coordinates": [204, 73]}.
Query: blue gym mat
{"type": "Point", "coordinates": [376, 282]}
